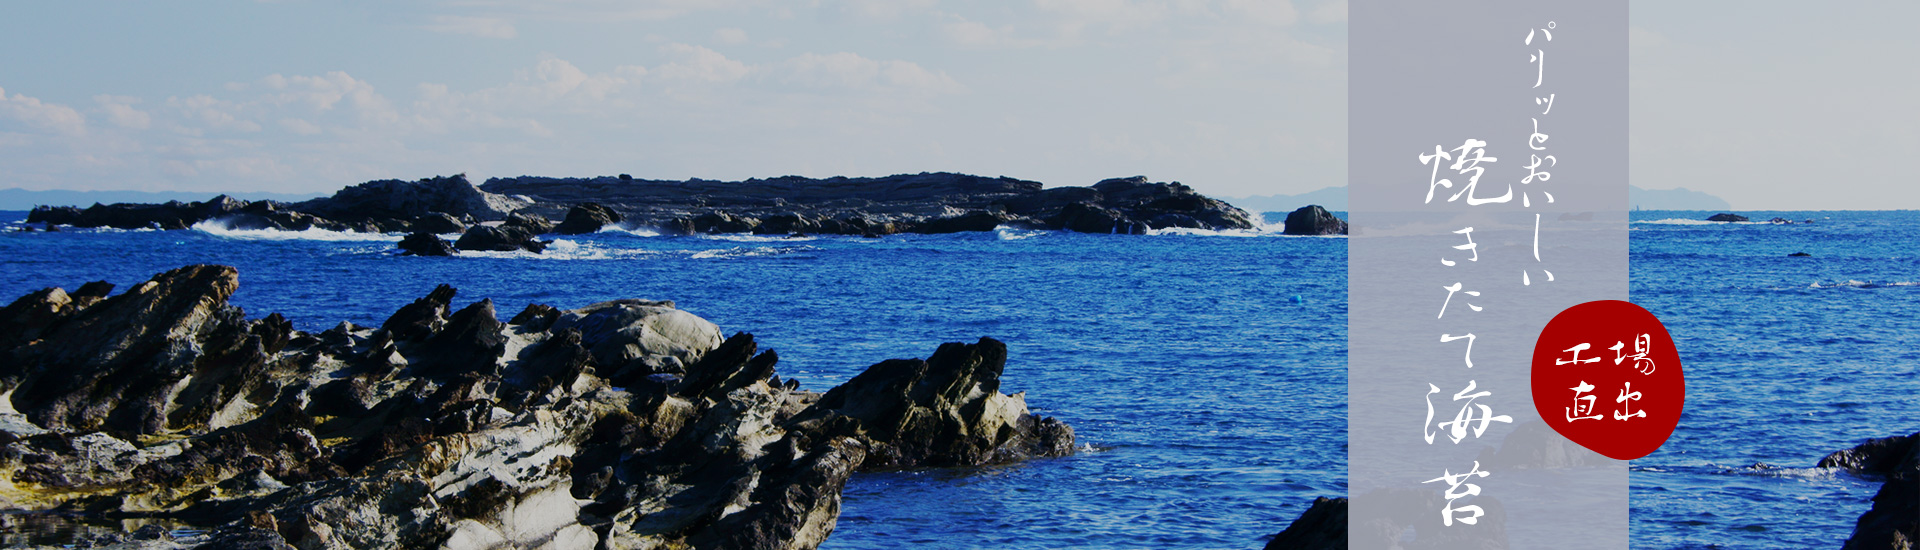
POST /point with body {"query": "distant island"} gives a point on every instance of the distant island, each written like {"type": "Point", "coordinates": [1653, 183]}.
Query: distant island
{"type": "Point", "coordinates": [1335, 199]}
{"type": "Point", "coordinates": [507, 214]}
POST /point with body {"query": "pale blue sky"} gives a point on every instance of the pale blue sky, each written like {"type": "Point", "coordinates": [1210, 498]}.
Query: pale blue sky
{"type": "Point", "coordinates": [1764, 105]}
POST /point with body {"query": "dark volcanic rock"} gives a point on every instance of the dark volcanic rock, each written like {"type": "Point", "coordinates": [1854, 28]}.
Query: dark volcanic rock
{"type": "Point", "coordinates": [1083, 217]}
{"type": "Point", "coordinates": [1314, 220]}
{"type": "Point", "coordinates": [971, 221]}
{"type": "Point", "coordinates": [533, 223]}
{"type": "Point", "coordinates": [944, 411]}
{"type": "Point", "coordinates": [461, 431]}
{"type": "Point", "coordinates": [1725, 217]}
{"type": "Point", "coordinates": [1894, 520]}
{"type": "Point", "coordinates": [921, 203]}
{"type": "Point", "coordinates": [501, 238]}
{"type": "Point", "coordinates": [587, 218]}
{"type": "Point", "coordinates": [439, 223]}
{"type": "Point", "coordinates": [170, 215]}
{"type": "Point", "coordinates": [110, 366]}
{"type": "Point", "coordinates": [406, 200]}
{"type": "Point", "coordinates": [1322, 527]}
{"type": "Point", "coordinates": [426, 244]}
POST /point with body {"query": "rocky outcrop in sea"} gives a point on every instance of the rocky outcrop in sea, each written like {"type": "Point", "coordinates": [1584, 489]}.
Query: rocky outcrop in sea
{"type": "Point", "coordinates": [1312, 219]}
{"type": "Point", "coordinates": [1894, 521]}
{"type": "Point", "coordinates": [622, 424]}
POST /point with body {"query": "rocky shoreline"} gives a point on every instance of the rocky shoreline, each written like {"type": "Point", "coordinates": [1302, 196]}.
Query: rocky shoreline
{"type": "Point", "coordinates": [624, 424]}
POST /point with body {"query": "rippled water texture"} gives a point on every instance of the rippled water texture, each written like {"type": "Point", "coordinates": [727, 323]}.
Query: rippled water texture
{"type": "Point", "coordinates": [1787, 359]}
{"type": "Point", "coordinates": [1207, 372]}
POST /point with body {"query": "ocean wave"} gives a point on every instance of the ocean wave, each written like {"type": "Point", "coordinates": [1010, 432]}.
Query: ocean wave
{"type": "Point", "coordinates": [564, 249]}
{"type": "Point", "coordinates": [219, 228]}
{"type": "Point", "coordinates": [749, 238]}
{"type": "Point", "coordinates": [1852, 283]}
{"type": "Point", "coordinates": [635, 231]}
{"type": "Point", "coordinates": [1011, 234]}
{"type": "Point", "coordinates": [748, 252]}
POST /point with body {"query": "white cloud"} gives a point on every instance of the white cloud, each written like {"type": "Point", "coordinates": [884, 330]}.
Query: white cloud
{"type": "Point", "coordinates": [730, 36]}
{"type": "Point", "coordinates": [321, 92]}
{"type": "Point", "coordinates": [484, 27]}
{"type": "Point", "coordinates": [1270, 12]}
{"type": "Point", "coordinates": [852, 71]}
{"type": "Point", "coordinates": [120, 111]}
{"type": "Point", "coordinates": [301, 127]}
{"type": "Point", "coordinates": [696, 63]}
{"type": "Point", "coordinates": [882, 9]}
{"type": "Point", "coordinates": [978, 35]}
{"type": "Point", "coordinates": [1329, 13]}
{"type": "Point", "coordinates": [209, 112]}
{"type": "Point", "coordinates": [48, 116]}
{"type": "Point", "coordinates": [1116, 15]}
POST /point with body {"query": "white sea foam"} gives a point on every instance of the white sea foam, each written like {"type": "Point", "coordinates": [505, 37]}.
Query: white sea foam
{"type": "Point", "coordinates": [1851, 283]}
{"type": "Point", "coordinates": [220, 228]}
{"type": "Point", "coordinates": [1011, 234]}
{"type": "Point", "coordinates": [564, 249]}
{"type": "Point", "coordinates": [746, 252]}
{"type": "Point", "coordinates": [635, 231]}
{"type": "Point", "coordinates": [749, 238]}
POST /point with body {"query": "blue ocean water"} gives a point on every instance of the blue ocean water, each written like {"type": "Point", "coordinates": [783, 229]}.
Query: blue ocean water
{"type": "Point", "coordinates": [1209, 401]}
{"type": "Point", "coordinates": [1206, 372]}
{"type": "Point", "coordinates": [1787, 359]}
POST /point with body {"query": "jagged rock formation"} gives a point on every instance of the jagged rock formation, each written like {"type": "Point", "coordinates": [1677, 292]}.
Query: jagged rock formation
{"type": "Point", "coordinates": [624, 424]}
{"type": "Point", "coordinates": [406, 200]}
{"type": "Point", "coordinates": [1314, 220]}
{"type": "Point", "coordinates": [906, 203]}
{"type": "Point", "coordinates": [422, 243]}
{"type": "Point", "coordinates": [1894, 521]}
{"type": "Point", "coordinates": [587, 218]}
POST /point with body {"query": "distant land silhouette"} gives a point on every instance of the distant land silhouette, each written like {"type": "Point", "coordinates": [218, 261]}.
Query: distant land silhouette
{"type": "Point", "coordinates": [1335, 199]}
{"type": "Point", "coordinates": [22, 199]}
{"type": "Point", "coordinates": [1332, 198]}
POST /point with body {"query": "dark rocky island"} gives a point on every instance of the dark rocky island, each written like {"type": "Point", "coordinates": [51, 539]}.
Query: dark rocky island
{"type": "Point", "coordinates": [506, 214]}
{"type": "Point", "coordinates": [623, 424]}
{"type": "Point", "coordinates": [1726, 217]}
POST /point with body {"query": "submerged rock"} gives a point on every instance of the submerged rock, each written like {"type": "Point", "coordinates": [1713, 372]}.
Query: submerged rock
{"type": "Point", "coordinates": [1314, 220]}
{"type": "Point", "coordinates": [625, 424]}
{"type": "Point", "coordinates": [1894, 520]}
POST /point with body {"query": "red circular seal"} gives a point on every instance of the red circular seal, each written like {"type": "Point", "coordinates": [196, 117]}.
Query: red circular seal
{"type": "Point", "coordinates": [1606, 375]}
